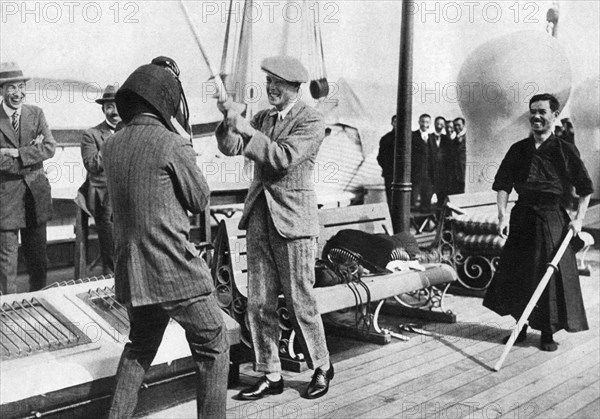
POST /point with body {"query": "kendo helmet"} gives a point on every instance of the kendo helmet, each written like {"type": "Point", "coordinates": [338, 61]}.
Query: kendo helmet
{"type": "Point", "coordinates": [150, 85]}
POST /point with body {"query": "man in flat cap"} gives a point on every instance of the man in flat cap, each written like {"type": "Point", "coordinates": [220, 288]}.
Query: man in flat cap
{"type": "Point", "coordinates": [25, 201]}
{"type": "Point", "coordinates": [153, 181]}
{"type": "Point", "coordinates": [97, 193]}
{"type": "Point", "coordinates": [280, 215]}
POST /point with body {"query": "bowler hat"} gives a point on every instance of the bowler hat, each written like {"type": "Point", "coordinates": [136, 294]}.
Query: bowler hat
{"type": "Point", "coordinates": [284, 67]}
{"type": "Point", "coordinates": [108, 95]}
{"type": "Point", "coordinates": [11, 72]}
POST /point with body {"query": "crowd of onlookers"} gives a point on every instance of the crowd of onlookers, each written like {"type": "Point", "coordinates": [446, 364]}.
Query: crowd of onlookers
{"type": "Point", "coordinates": [438, 160]}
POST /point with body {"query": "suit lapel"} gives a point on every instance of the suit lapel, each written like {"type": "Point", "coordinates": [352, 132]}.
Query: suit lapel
{"type": "Point", "coordinates": [26, 125]}
{"type": "Point", "coordinates": [105, 130]}
{"type": "Point", "coordinates": [105, 127]}
{"type": "Point", "coordinates": [282, 126]}
{"type": "Point", "coordinates": [268, 125]}
{"type": "Point", "coordinates": [7, 129]}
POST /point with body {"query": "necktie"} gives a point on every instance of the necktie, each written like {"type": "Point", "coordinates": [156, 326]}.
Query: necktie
{"type": "Point", "coordinates": [15, 121]}
{"type": "Point", "coordinates": [275, 120]}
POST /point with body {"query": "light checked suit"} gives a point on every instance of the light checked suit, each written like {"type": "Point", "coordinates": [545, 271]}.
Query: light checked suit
{"type": "Point", "coordinates": [280, 215]}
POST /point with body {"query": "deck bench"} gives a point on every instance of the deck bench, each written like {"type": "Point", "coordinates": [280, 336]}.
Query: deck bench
{"type": "Point", "coordinates": [426, 288]}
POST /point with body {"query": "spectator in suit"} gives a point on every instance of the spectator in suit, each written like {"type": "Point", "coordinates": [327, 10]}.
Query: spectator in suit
{"type": "Point", "coordinates": [280, 215]}
{"type": "Point", "coordinates": [420, 176]}
{"type": "Point", "coordinates": [559, 132]}
{"type": "Point", "coordinates": [440, 160]}
{"type": "Point", "coordinates": [97, 201]}
{"type": "Point", "coordinates": [153, 182]}
{"type": "Point", "coordinates": [450, 133]}
{"type": "Point", "coordinates": [460, 156]}
{"type": "Point", "coordinates": [385, 158]}
{"type": "Point", "coordinates": [25, 201]}
{"type": "Point", "coordinates": [568, 129]}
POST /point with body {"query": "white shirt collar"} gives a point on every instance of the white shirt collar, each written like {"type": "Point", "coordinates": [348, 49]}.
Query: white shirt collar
{"type": "Point", "coordinates": [9, 111]}
{"type": "Point", "coordinates": [462, 133]}
{"type": "Point", "coordinates": [111, 126]}
{"type": "Point", "coordinates": [283, 113]}
{"type": "Point", "coordinates": [424, 135]}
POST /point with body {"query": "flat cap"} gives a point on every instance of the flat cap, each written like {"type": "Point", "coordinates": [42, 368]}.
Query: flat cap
{"type": "Point", "coordinates": [286, 68]}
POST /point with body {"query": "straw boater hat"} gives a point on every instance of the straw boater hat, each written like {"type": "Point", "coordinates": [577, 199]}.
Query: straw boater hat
{"type": "Point", "coordinates": [108, 95]}
{"type": "Point", "coordinates": [10, 72]}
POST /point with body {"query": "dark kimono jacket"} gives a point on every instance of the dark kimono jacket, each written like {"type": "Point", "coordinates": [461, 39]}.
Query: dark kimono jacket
{"type": "Point", "coordinates": [537, 225]}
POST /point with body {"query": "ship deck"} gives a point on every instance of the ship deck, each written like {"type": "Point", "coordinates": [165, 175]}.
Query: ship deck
{"type": "Point", "coordinates": [448, 375]}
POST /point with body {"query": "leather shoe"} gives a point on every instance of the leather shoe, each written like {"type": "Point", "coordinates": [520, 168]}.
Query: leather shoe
{"type": "Point", "coordinates": [319, 385]}
{"type": "Point", "coordinates": [263, 387]}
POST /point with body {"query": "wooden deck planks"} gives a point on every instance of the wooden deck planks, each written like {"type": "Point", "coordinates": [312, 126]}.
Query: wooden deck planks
{"type": "Point", "coordinates": [592, 410]}
{"type": "Point", "coordinates": [448, 376]}
{"type": "Point", "coordinates": [542, 400]}
{"type": "Point", "coordinates": [571, 405]}
{"type": "Point", "coordinates": [361, 394]}
{"type": "Point", "coordinates": [365, 375]}
{"type": "Point", "coordinates": [493, 381]}
{"type": "Point", "coordinates": [517, 391]}
{"type": "Point", "coordinates": [446, 364]}
{"type": "Point", "coordinates": [580, 348]}
{"type": "Point", "coordinates": [425, 395]}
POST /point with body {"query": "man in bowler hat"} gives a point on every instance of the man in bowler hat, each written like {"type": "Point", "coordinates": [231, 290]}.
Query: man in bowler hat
{"type": "Point", "coordinates": [97, 201]}
{"type": "Point", "coordinates": [25, 201]}
{"type": "Point", "coordinates": [280, 215]}
{"type": "Point", "coordinates": [153, 181]}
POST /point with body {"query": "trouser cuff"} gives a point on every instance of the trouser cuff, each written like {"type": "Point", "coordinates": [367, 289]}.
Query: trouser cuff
{"type": "Point", "coordinates": [267, 368]}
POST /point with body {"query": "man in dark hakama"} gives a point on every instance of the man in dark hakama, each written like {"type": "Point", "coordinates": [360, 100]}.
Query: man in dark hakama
{"type": "Point", "coordinates": [539, 168]}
